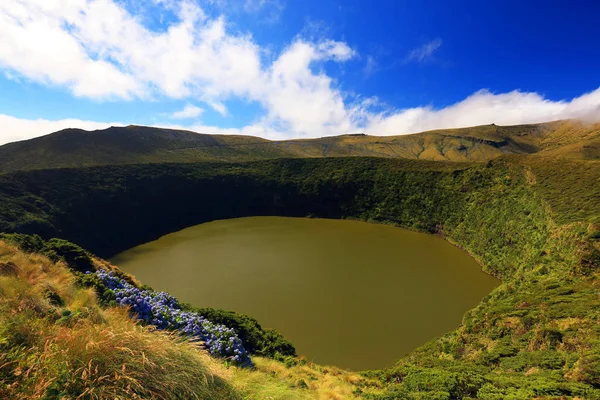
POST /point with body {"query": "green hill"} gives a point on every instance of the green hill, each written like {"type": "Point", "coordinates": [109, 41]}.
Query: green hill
{"type": "Point", "coordinates": [129, 145]}
{"type": "Point", "coordinates": [142, 145]}
{"type": "Point", "coordinates": [531, 220]}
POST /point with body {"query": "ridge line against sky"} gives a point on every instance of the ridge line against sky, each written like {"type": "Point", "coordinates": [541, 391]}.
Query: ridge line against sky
{"type": "Point", "coordinates": [213, 67]}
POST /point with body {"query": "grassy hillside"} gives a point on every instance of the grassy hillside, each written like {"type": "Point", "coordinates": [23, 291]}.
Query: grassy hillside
{"type": "Point", "coordinates": [58, 342]}
{"type": "Point", "coordinates": [140, 145]}
{"type": "Point", "coordinates": [530, 220]}
{"type": "Point", "coordinates": [479, 143]}
{"type": "Point", "coordinates": [130, 145]}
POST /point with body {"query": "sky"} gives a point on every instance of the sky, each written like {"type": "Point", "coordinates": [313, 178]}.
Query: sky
{"type": "Point", "coordinates": [284, 69]}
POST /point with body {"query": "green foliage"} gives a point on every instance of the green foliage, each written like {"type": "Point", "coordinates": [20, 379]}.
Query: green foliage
{"type": "Point", "coordinates": [259, 341]}
{"type": "Point", "coordinates": [570, 187]}
{"type": "Point", "coordinates": [75, 257]}
{"type": "Point", "coordinates": [135, 204]}
{"type": "Point", "coordinates": [275, 343]}
{"type": "Point", "coordinates": [589, 366]}
{"type": "Point", "coordinates": [536, 359]}
{"type": "Point", "coordinates": [55, 249]}
{"type": "Point", "coordinates": [106, 297]}
{"type": "Point", "coordinates": [27, 243]}
{"type": "Point", "coordinates": [54, 298]}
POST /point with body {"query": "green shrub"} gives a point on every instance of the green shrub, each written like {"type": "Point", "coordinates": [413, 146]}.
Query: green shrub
{"type": "Point", "coordinates": [541, 359]}
{"type": "Point", "coordinates": [54, 298]}
{"type": "Point", "coordinates": [590, 367]}
{"type": "Point", "coordinates": [76, 258]}
{"type": "Point", "coordinates": [27, 243]}
{"type": "Point", "coordinates": [55, 249]}
{"type": "Point", "coordinates": [259, 341]}
{"type": "Point", "coordinates": [515, 227]}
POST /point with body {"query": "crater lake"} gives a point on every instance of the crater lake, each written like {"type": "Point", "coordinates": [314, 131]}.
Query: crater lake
{"type": "Point", "coordinates": [346, 293]}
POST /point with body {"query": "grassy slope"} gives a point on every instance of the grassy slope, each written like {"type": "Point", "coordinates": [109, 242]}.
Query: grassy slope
{"type": "Point", "coordinates": [536, 336]}
{"type": "Point", "coordinates": [127, 145]}
{"type": "Point", "coordinates": [572, 140]}
{"type": "Point", "coordinates": [479, 143]}
{"type": "Point", "coordinates": [571, 187]}
{"type": "Point", "coordinates": [134, 145]}
{"type": "Point", "coordinates": [78, 349]}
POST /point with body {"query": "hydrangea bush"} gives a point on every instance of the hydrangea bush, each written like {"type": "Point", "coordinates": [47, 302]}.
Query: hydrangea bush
{"type": "Point", "coordinates": [164, 312]}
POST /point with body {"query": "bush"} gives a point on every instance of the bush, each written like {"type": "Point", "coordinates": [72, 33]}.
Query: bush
{"type": "Point", "coordinates": [27, 243]}
{"type": "Point", "coordinates": [76, 258]}
{"type": "Point", "coordinates": [259, 341]}
{"type": "Point", "coordinates": [542, 359]}
{"type": "Point", "coordinates": [55, 249]}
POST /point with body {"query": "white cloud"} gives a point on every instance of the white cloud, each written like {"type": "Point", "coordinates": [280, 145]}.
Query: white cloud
{"type": "Point", "coordinates": [484, 107]}
{"type": "Point", "coordinates": [188, 112]}
{"type": "Point", "coordinates": [218, 107]}
{"type": "Point", "coordinates": [301, 101]}
{"type": "Point", "coordinates": [370, 67]}
{"type": "Point", "coordinates": [36, 43]}
{"type": "Point", "coordinates": [338, 51]}
{"type": "Point", "coordinates": [332, 117]}
{"type": "Point", "coordinates": [272, 9]}
{"type": "Point", "coordinates": [97, 49]}
{"type": "Point", "coordinates": [425, 52]}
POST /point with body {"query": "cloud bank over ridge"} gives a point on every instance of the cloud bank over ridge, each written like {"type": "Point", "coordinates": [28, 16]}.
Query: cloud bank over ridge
{"type": "Point", "coordinates": [98, 49]}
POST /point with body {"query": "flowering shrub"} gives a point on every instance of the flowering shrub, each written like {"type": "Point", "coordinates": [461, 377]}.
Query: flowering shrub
{"type": "Point", "coordinates": [164, 311]}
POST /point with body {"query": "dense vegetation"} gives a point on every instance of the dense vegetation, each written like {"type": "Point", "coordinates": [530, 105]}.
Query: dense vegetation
{"type": "Point", "coordinates": [109, 209]}
{"type": "Point", "coordinates": [524, 218]}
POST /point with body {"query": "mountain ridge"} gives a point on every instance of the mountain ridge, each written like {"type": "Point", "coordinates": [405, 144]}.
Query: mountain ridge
{"type": "Point", "coordinates": [135, 144]}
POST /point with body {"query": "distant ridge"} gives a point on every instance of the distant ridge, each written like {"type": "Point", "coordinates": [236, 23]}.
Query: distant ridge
{"type": "Point", "coordinates": [139, 145]}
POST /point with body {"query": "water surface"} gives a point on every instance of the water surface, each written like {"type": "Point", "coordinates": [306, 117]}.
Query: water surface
{"type": "Point", "coordinates": [346, 293]}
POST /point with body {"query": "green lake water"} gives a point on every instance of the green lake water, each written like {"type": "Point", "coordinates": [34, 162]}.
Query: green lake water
{"type": "Point", "coordinates": [346, 293]}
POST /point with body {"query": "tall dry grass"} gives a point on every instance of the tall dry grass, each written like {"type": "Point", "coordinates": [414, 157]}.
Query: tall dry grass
{"type": "Point", "coordinates": [80, 351]}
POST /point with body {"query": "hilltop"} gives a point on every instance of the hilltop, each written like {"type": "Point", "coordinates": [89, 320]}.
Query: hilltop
{"type": "Point", "coordinates": [129, 145]}
{"type": "Point", "coordinates": [142, 145]}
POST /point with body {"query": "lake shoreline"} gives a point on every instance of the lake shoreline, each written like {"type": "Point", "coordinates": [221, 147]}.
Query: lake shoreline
{"type": "Point", "coordinates": [316, 266]}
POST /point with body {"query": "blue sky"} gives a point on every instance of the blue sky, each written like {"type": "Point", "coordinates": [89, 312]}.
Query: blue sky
{"type": "Point", "coordinates": [286, 69]}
